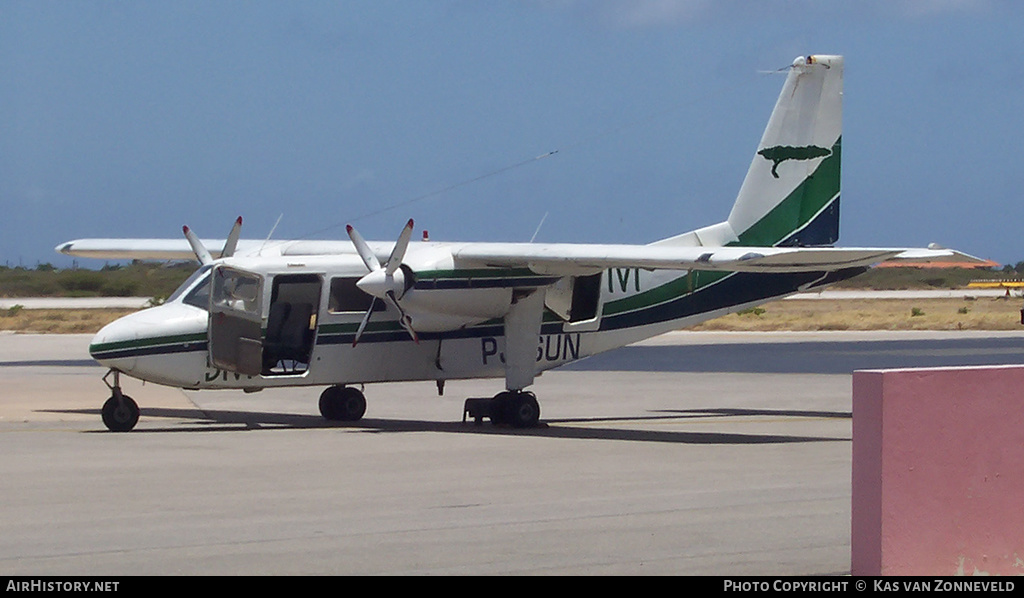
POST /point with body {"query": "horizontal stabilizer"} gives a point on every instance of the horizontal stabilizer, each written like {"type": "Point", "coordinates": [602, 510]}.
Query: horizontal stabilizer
{"type": "Point", "coordinates": [923, 257]}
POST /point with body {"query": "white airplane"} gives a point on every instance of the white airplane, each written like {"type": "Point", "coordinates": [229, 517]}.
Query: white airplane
{"type": "Point", "coordinates": [340, 314]}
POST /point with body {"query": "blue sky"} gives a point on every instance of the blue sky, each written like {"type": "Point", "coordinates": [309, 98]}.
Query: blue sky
{"type": "Point", "coordinates": [130, 119]}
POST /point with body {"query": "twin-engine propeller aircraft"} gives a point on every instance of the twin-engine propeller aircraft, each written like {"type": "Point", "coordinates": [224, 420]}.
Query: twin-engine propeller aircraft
{"type": "Point", "coordinates": [257, 315]}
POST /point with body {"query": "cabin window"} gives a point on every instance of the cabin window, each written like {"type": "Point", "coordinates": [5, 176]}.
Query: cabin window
{"type": "Point", "coordinates": [586, 294]}
{"type": "Point", "coordinates": [347, 297]}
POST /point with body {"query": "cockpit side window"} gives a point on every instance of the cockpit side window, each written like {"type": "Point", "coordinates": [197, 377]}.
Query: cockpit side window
{"type": "Point", "coordinates": [236, 291]}
{"type": "Point", "coordinates": [190, 283]}
{"type": "Point", "coordinates": [199, 296]}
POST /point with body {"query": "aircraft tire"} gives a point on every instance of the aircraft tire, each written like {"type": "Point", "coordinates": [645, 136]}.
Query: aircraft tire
{"type": "Point", "coordinates": [517, 409]}
{"type": "Point", "coordinates": [523, 410]}
{"type": "Point", "coordinates": [329, 403]}
{"type": "Point", "coordinates": [352, 404]}
{"type": "Point", "coordinates": [500, 408]}
{"type": "Point", "coordinates": [120, 415]}
{"type": "Point", "coordinates": [342, 403]}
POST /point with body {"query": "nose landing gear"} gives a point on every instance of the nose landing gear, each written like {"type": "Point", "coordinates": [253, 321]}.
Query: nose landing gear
{"type": "Point", "coordinates": [120, 412]}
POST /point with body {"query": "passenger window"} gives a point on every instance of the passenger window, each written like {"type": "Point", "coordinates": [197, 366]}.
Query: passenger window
{"type": "Point", "coordinates": [347, 297]}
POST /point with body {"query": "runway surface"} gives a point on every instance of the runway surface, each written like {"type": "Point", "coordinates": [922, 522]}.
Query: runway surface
{"type": "Point", "coordinates": [706, 453]}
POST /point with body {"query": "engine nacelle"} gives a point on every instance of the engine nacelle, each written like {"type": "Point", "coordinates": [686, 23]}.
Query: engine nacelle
{"type": "Point", "coordinates": [444, 310]}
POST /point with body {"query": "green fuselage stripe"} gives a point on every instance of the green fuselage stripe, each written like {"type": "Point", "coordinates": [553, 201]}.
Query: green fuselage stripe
{"type": "Point", "coordinates": [693, 281]}
{"type": "Point", "coordinates": [176, 339]}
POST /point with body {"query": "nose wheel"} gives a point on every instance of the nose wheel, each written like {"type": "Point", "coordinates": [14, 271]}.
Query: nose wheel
{"type": "Point", "coordinates": [120, 412]}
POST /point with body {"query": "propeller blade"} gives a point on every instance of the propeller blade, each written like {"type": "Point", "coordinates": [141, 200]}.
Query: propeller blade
{"type": "Point", "coordinates": [403, 319]}
{"type": "Point", "coordinates": [202, 254]}
{"type": "Point", "coordinates": [398, 253]}
{"type": "Point", "coordinates": [382, 282]}
{"type": "Point", "coordinates": [366, 320]}
{"type": "Point", "coordinates": [371, 261]}
{"type": "Point", "coordinates": [232, 242]}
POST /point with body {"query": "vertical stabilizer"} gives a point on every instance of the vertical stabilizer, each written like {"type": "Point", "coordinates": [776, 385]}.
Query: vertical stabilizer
{"type": "Point", "coordinates": [791, 193]}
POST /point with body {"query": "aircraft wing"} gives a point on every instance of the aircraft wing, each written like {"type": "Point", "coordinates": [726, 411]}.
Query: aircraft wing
{"type": "Point", "coordinates": [146, 249]}
{"type": "Point", "coordinates": [561, 259]}
{"type": "Point", "coordinates": [139, 249]}
{"type": "Point", "coordinates": [581, 259]}
{"type": "Point", "coordinates": [180, 249]}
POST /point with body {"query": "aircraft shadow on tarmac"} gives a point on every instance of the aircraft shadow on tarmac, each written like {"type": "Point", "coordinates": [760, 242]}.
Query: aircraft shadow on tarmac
{"type": "Point", "coordinates": [577, 428]}
{"type": "Point", "coordinates": [770, 412]}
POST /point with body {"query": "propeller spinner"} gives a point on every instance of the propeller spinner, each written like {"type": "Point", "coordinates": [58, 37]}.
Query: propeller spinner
{"type": "Point", "coordinates": [388, 282]}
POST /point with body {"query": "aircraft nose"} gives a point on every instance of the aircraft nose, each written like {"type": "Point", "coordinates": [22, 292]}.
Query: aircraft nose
{"type": "Point", "coordinates": [111, 345]}
{"type": "Point", "coordinates": [164, 344]}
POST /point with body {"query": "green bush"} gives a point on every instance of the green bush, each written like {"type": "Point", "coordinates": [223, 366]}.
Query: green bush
{"type": "Point", "coordinates": [81, 282]}
{"type": "Point", "coordinates": [111, 281]}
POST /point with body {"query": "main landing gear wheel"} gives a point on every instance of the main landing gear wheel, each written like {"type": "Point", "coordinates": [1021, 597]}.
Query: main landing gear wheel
{"type": "Point", "coordinates": [518, 409]}
{"type": "Point", "coordinates": [342, 403]}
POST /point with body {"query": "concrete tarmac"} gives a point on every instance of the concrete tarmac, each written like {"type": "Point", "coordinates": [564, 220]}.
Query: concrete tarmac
{"type": "Point", "coordinates": [665, 469]}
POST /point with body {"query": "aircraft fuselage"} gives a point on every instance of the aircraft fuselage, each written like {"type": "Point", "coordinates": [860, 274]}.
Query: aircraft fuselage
{"type": "Point", "coordinates": [457, 314]}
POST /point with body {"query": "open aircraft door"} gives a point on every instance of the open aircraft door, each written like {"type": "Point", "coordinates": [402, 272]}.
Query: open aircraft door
{"type": "Point", "coordinates": [236, 328]}
{"type": "Point", "coordinates": [291, 324]}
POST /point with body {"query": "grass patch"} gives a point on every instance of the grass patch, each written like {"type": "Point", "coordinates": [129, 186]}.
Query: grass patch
{"type": "Point", "coordinates": [876, 314]}
{"type": "Point", "coordinates": [61, 321]}
{"type": "Point", "coordinates": [790, 314]}
{"type": "Point", "coordinates": [900, 279]}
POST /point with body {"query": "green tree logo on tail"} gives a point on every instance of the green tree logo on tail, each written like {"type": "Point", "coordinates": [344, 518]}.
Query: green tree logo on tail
{"type": "Point", "coordinates": [781, 153]}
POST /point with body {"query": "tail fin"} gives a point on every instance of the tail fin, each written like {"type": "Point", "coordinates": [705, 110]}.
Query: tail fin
{"type": "Point", "coordinates": [791, 193]}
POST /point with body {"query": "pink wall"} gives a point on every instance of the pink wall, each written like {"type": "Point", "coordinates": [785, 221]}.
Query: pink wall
{"type": "Point", "coordinates": [938, 471]}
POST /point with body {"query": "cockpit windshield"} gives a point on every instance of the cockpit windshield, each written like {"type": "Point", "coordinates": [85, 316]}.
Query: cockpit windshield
{"type": "Point", "coordinates": [198, 294]}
